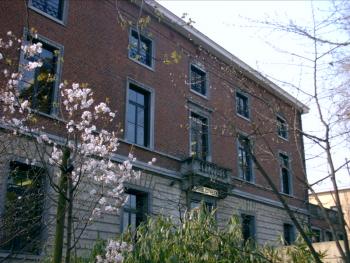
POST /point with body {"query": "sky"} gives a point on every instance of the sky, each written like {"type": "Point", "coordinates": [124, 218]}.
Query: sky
{"type": "Point", "coordinates": [232, 25]}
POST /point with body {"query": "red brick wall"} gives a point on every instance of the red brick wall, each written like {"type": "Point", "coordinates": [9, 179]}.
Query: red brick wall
{"type": "Point", "coordinates": [96, 52]}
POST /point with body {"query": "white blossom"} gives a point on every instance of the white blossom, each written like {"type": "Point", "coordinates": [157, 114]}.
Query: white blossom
{"type": "Point", "coordinates": [114, 252]}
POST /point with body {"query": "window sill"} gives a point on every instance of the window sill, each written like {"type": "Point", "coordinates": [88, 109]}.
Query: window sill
{"type": "Point", "coordinates": [243, 117]}
{"type": "Point", "coordinates": [149, 149]}
{"type": "Point", "coordinates": [19, 255]}
{"type": "Point", "coordinates": [287, 195]}
{"type": "Point", "coordinates": [54, 19]}
{"type": "Point", "coordinates": [199, 94]}
{"type": "Point", "coordinates": [151, 68]}
{"type": "Point", "coordinates": [247, 182]}
{"type": "Point", "coordinates": [285, 139]}
{"type": "Point", "coordinates": [49, 116]}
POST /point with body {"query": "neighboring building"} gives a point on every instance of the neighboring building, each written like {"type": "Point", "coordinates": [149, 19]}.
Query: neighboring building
{"type": "Point", "coordinates": [327, 198]}
{"type": "Point", "coordinates": [320, 228]}
{"type": "Point", "coordinates": [181, 98]}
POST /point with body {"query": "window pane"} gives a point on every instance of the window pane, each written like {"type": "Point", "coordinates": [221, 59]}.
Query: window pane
{"type": "Point", "coordinates": [248, 227]}
{"type": "Point", "coordinates": [132, 94]}
{"type": "Point", "coordinates": [133, 221]}
{"type": "Point", "coordinates": [138, 111]}
{"type": "Point", "coordinates": [140, 98]}
{"type": "Point", "coordinates": [199, 136]}
{"type": "Point", "coordinates": [282, 128]}
{"type": "Point", "coordinates": [288, 234]}
{"type": "Point", "coordinates": [285, 178]}
{"type": "Point", "coordinates": [140, 135]}
{"type": "Point", "coordinates": [131, 113]}
{"type": "Point", "coordinates": [244, 160]}
{"type": "Point", "coordinates": [37, 86]}
{"type": "Point", "coordinates": [136, 209]}
{"type": "Point", "coordinates": [140, 116]}
{"type": "Point", "coordinates": [131, 133]}
{"type": "Point", "coordinates": [316, 235]}
{"type": "Point", "coordinates": [125, 221]}
{"type": "Point", "coordinates": [51, 7]}
{"type": "Point", "coordinates": [242, 105]}
{"type": "Point", "coordinates": [132, 201]}
{"type": "Point", "coordinates": [198, 80]}
{"type": "Point", "coordinates": [140, 50]}
{"type": "Point", "coordinates": [21, 222]}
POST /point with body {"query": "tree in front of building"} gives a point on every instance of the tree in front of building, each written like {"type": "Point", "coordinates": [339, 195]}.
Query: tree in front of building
{"type": "Point", "coordinates": [72, 152]}
{"type": "Point", "coordinates": [196, 239]}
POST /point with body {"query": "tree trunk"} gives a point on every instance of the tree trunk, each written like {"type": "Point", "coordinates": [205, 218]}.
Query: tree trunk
{"type": "Point", "coordinates": [69, 219]}
{"type": "Point", "coordinates": [61, 208]}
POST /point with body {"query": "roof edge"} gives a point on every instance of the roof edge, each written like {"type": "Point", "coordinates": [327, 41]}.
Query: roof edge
{"type": "Point", "coordinates": [180, 26]}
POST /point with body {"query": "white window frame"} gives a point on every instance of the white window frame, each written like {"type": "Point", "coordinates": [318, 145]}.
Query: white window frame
{"type": "Point", "coordinates": [203, 114]}
{"type": "Point", "coordinates": [243, 94]}
{"type": "Point", "coordinates": [206, 86]}
{"type": "Point", "coordinates": [279, 118]}
{"type": "Point", "coordinates": [55, 96]}
{"type": "Point", "coordinates": [243, 213]}
{"type": "Point", "coordinates": [142, 34]}
{"type": "Point", "coordinates": [290, 174]}
{"type": "Point", "coordinates": [240, 135]}
{"type": "Point", "coordinates": [62, 21]}
{"type": "Point", "coordinates": [151, 112]}
{"type": "Point", "coordinates": [292, 232]}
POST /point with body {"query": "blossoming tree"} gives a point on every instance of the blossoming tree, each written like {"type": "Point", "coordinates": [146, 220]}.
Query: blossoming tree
{"type": "Point", "coordinates": [75, 149]}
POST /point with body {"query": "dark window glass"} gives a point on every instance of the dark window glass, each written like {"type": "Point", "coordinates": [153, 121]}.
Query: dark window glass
{"type": "Point", "coordinates": [195, 204]}
{"type": "Point", "coordinates": [138, 116]}
{"type": "Point", "coordinates": [135, 210]}
{"type": "Point", "coordinates": [140, 48]}
{"type": "Point", "coordinates": [53, 8]}
{"type": "Point", "coordinates": [199, 136]}
{"type": "Point", "coordinates": [316, 235]}
{"type": "Point", "coordinates": [288, 234]}
{"type": "Point", "coordinates": [242, 105]}
{"type": "Point", "coordinates": [285, 174]}
{"type": "Point", "coordinates": [248, 227]}
{"type": "Point", "coordinates": [340, 236]}
{"type": "Point", "coordinates": [244, 159]}
{"type": "Point", "coordinates": [22, 220]}
{"type": "Point", "coordinates": [282, 128]}
{"type": "Point", "coordinates": [328, 236]}
{"type": "Point", "coordinates": [198, 80]}
{"type": "Point", "coordinates": [37, 86]}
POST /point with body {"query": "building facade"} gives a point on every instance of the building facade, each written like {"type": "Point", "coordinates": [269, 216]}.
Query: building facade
{"type": "Point", "coordinates": [180, 98]}
{"type": "Point", "coordinates": [327, 198]}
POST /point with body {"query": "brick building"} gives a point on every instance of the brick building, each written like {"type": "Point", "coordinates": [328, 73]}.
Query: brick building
{"type": "Point", "coordinates": [180, 98]}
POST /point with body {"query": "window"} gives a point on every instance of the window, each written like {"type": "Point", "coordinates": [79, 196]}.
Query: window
{"type": "Point", "coordinates": [140, 48]}
{"type": "Point", "coordinates": [195, 204]}
{"type": "Point", "coordinates": [242, 105]}
{"type": "Point", "coordinates": [138, 116]}
{"type": "Point", "coordinates": [248, 227]}
{"type": "Point", "coordinates": [198, 80]}
{"type": "Point", "coordinates": [244, 159]}
{"type": "Point", "coordinates": [285, 174]}
{"type": "Point", "coordinates": [53, 8]}
{"type": "Point", "coordinates": [282, 128]}
{"type": "Point", "coordinates": [316, 235]}
{"type": "Point", "coordinates": [199, 136]}
{"type": "Point", "coordinates": [39, 86]}
{"type": "Point", "coordinates": [135, 210]}
{"type": "Point", "coordinates": [288, 234]}
{"type": "Point", "coordinates": [328, 236]}
{"type": "Point", "coordinates": [340, 236]}
{"type": "Point", "coordinates": [22, 219]}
